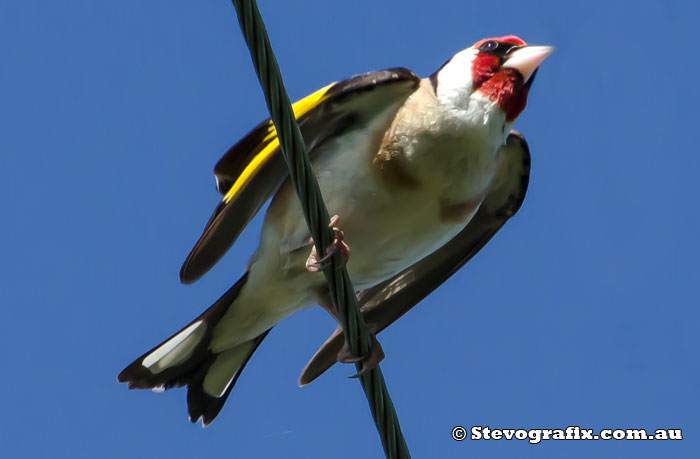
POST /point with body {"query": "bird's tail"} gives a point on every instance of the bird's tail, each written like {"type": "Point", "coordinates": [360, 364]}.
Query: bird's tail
{"type": "Point", "coordinates": [185, 359]}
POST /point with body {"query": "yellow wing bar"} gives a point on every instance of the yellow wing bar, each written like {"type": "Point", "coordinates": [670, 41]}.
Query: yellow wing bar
{"type": "Point", "coordinates": [301, 108]}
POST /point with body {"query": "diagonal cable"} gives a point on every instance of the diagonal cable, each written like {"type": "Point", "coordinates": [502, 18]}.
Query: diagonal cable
{"type": "Point", "coordinates": [301, 174]}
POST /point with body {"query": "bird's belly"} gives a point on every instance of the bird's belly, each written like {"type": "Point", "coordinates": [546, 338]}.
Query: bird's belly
{"type": "Point", "coordinates": [384, 243]}
{"type": "Point", "coordinates": [387, 230]}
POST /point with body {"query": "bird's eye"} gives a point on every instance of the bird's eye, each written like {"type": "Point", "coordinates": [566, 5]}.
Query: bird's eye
{"type": "Point", "coordinates": [490, 45]}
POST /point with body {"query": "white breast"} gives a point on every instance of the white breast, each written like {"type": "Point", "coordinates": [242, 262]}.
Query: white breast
{"type": "Point", "coordinates": [389, 229]}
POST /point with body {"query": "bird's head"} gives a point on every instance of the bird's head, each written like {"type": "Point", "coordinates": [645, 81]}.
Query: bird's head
{"type": "Point", "coordinates": [499, 69]}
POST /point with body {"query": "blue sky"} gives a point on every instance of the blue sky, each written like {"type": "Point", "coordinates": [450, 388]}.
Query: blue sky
{"type": "Point", "coordinates": [582, 311]}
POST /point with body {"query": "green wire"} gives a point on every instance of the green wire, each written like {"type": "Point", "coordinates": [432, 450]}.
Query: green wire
{"type": "Point", "coordinates": [301, 174]}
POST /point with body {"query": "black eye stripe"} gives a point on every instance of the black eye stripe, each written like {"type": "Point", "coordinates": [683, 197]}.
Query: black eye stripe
{"type": "Point", "coordinates": [497, 49]}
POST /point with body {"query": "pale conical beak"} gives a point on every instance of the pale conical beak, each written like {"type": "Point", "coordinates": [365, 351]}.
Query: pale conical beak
{"type": "Point", "coordinates": [526, 60]}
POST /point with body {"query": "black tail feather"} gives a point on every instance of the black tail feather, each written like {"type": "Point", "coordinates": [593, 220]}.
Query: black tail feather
{"type": "Point", "coordinates": [201, 405]}
{"type": "Point", "coordinates": [193, 369]}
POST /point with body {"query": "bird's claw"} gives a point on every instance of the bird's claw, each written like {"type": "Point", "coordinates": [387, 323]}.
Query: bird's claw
{"type": "Point", "coordinates": [368, 362]}
{"type": "Point", "coordinates": [315, 264]}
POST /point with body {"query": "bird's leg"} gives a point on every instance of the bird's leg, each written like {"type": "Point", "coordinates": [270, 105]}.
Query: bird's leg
{"type": "Point", "coordinates": [314, 264]}
{"type": "Point", "coordinates": [376, 353]}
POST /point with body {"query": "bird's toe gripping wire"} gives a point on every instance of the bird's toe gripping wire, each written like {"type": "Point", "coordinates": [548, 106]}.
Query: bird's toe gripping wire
{"type": "Point", "coordinates": [315, 264]}
{"type": "Point", "coordinates": [368, 362]}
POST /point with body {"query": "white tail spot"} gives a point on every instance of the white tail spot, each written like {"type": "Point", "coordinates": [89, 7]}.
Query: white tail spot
{"type": "Point", "coordinates": [176, 350]}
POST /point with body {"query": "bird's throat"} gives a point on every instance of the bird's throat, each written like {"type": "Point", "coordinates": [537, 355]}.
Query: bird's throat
{"type": "Point", "coordinates": [507, 89]}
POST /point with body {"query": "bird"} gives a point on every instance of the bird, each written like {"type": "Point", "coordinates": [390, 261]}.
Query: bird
{"type": "Point", "coordinates": [418, 173]}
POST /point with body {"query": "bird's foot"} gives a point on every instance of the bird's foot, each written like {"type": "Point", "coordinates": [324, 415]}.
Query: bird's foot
{"type": "Point", "coordinates": [314, 264]}
{"type": "Point", "coordinates": [368, 362]}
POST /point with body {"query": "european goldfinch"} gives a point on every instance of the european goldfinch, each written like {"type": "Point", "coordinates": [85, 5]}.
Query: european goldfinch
{"type": "Point", "coordinates": [422, 172]}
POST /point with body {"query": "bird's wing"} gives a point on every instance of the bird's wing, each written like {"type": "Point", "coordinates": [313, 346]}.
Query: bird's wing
{"type": "Point", "coordinates": [252, 170]}
{"type": "Point", "coordinates": [382, 304]}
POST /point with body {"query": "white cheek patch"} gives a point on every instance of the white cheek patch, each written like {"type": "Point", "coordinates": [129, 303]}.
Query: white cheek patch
{"type": "Point", "coordinates": [176, 350]}
{"type": "Point", "coordinates": [455, 79]}
{"type": "Point", "coordinates": [221, 373]}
